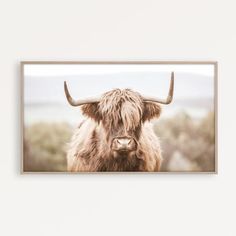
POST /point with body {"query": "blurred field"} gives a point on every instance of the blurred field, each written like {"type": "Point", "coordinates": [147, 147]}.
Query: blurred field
{"type": "Point", "coordinates": [45, 146]}
{"type": "Point", "coordinates": [188, 144]}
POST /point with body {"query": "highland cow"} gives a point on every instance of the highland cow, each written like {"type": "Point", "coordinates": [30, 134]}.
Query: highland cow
{"type": "Point", "coordinates": [117, 134]}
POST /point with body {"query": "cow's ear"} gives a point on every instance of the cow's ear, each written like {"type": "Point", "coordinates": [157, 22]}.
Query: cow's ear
{"type": "Point", "coordinates": [91, 110]}
{"type": "Point", "coordinates": [151, 110]}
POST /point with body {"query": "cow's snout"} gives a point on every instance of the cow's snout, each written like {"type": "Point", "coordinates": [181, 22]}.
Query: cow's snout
{"type": "Point", "coordinates": [124, 144]}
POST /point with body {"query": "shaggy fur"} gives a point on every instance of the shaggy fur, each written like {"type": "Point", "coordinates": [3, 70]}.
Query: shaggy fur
{"type": "Point", "coordinates": [119, 113]}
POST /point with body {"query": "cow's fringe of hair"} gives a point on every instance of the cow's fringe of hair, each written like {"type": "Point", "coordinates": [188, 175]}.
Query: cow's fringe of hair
{"type": "Point", "coordinates": [122, 106]}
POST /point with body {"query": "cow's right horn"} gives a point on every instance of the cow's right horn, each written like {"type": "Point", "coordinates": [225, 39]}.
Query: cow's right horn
{"type": "Point", "coordinates": [169, 98]}
{"type": "Point", "coordinates": [78, 102]}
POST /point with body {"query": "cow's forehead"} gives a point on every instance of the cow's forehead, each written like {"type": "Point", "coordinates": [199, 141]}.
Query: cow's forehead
{"type": "Point", "coordinates": [116, 96]}
{"type": "Point", "coordinates": [122, 107]}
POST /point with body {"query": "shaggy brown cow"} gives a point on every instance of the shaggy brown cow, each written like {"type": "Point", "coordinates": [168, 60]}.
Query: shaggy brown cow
{"type": "Point", "coordinates": [117, 135]}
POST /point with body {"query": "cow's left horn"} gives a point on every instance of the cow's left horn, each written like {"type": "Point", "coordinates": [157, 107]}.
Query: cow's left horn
{"type": "Point", "coordinates": [78, 102]}
{"type": "Point", "coordinates": [169, 98]}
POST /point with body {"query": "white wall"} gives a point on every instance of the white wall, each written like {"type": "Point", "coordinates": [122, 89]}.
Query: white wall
{"type": "Point", "coordinates": [116, 204]}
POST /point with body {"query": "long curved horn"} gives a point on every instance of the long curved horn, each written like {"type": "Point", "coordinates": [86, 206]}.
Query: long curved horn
{"type": "Point", "coordinates": [78, 102]}
{"type": "Point", "coordinates": [169, 98]}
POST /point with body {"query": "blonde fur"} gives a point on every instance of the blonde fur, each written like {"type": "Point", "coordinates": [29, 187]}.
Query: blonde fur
{"type": "Point", "coordinates": [124, 112]}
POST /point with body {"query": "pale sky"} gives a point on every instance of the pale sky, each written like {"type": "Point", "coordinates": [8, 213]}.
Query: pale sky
{"type": "Point", "coordinates": [44, 82]}
{"type": "Point", "coordinates": [88, 69]}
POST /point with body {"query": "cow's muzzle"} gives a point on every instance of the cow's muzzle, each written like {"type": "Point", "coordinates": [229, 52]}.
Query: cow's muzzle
{"type": "Point", "coordinates": [124, 144]}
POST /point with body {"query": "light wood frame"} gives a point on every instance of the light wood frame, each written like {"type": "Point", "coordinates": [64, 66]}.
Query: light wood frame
{"type": "Point", "coordinates": [214, 63]}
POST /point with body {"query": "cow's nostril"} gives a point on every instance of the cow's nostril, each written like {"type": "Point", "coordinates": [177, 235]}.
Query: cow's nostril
{"type": "Point", "coordinates": [118, 141]}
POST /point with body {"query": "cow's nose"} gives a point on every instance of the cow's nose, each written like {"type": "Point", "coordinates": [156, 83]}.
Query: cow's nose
{"type": "Point", "coordinates": [124, 144]}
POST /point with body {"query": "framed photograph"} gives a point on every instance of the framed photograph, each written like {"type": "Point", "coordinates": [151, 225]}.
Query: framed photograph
{"type": "Point", "coordinates": [151, 116]}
